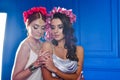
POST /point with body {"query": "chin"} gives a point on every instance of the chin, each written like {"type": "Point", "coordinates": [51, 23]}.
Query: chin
{"type": "Point", "coordinates": [36, 37]}
{"type": "Point", "coordinates": [58, 39]}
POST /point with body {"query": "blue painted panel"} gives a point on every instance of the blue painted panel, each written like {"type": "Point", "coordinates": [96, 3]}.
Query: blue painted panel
{"type": "Point", "coordinates": [98, 27]}
{"type": "Point", "coordinates": [102, 75]}
{"type": "Point", "coordinates": [95, 22]}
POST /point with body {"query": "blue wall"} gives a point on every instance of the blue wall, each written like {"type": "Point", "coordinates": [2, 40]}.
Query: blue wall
{"type": "Point", "coordinates": [97, 30]}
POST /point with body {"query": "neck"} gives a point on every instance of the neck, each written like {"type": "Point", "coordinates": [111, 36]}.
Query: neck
{"type": "Point", "coordinates": [34, 44]}
{"type": "Point", "coordinates": [61, 43]}
{"type": "Point", "coordinates": [33, 40]}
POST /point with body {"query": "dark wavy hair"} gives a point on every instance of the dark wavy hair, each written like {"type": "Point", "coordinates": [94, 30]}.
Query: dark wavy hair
{"type": "Point", "coordinates": [68, 35]}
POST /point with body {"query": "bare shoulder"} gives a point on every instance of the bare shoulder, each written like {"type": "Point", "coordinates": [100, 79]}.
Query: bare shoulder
{"type": "Point", "coordinates": [47, 46]}
{"type": "Point", "coordinates": [23, 50]}
{"type": "Point", "coordinates": [47, 43]}
{"type": "Point", "coordinates": [80, 50]}
{"type": "Point", "coordinates": [24, 44]}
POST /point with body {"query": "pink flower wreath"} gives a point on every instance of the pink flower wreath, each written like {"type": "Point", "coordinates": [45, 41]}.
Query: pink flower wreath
{"type": "Point", "coordinates": [68, 13]}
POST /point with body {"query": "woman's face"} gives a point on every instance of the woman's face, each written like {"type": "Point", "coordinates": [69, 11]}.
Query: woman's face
{"type": "Point", "coordinates": [57, 29]}
{"type": "Point", "coordinates": [36, 28]}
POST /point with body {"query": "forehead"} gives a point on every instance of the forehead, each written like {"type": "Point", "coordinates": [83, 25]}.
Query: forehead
{"type": "Point", "coordinates": [38, 21]}
{"type": "Point", "coordinates": [56, 21]}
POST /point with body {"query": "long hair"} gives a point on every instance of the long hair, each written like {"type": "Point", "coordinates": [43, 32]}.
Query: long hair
{"type": "Point", "coordinates": [68, 35]}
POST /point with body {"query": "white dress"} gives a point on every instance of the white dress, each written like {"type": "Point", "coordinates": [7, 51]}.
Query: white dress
{"type": "Point", "coordinates": [64, 65]}
{"type": "Point", "coordinates": [37, 74]}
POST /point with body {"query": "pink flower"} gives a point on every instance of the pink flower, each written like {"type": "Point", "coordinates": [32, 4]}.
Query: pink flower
{"type": "Point", "coordinates": [68, 13]}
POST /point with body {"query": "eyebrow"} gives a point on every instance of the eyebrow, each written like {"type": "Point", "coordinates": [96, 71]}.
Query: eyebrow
{"type": "Point", "coordinates": [39, 25]}
{"type": "Point", "coordinates": [36, 24]}
{"type": "Point", "coordinates": [58, 25]}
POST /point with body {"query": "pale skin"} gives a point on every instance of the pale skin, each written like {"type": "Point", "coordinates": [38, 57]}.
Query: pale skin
{"type": "Point", "coordinates": [35, 31]}
{"type": "Point", "coordinates": [61, 52]}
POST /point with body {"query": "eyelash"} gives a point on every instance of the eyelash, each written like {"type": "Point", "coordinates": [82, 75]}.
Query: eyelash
{"type": "Point", "coordinates": [52, 27]}
{"type": "Point", "coordinates": [60, 27]}
{"type": "Point", "coordinates": [43, 28]}
{"type": "Point", "coordinates": [36, 27]}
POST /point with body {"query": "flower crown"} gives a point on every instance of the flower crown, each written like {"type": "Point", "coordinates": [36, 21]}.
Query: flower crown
{"type": "Point", "coordinates": [68, 13]}
{"type": "Point", "coordinates": [28, 13]}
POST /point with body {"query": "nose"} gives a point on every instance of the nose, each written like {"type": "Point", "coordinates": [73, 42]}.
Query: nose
{"type": "Point", "coordinates": [56, 30]}
{"type": "Point", "coordinates": [40, 30]}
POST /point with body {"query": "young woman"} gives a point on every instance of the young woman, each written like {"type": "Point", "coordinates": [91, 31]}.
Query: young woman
{"type": "Point", "coordinates": [27, 64]}
{"type": "Point", "coordinates": [65, 60]}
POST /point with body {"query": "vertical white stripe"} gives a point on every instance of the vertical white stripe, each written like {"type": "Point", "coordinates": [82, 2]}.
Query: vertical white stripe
{"type": "Point", "coordinates": [3, 17]}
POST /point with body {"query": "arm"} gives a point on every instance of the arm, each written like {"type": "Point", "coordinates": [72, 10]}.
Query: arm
{"type": "Point", "coordinates": [19, 73]}
{"type": "Point", "coordinates": [20, 62]}
{"type": "Point", "coordinates": [45, 72]}
{"type": "Point", "coordinates": [73, 76]}
{"type": "Point", "coordinates": [47, 75]}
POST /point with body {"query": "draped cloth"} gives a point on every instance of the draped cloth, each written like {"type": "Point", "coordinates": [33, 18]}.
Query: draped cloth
{"type": "Point", "coordinates": [37, 74]}
{"type": "Point", "coordinates": [64, 65]}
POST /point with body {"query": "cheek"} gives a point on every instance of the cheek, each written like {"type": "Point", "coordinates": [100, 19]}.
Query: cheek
{"type": "Point", "coordinates": [62, 35]}
{"type": "Point", "coordinates": [43, 32]}
{"type": "Point", "coordinates": [29, 31]}
{"type": "Point", "coordinates": [52, 31]}
{"type": "Point", "coordinates": [61, 31]}
{"type": "Point", "coordinates": [33, 32]}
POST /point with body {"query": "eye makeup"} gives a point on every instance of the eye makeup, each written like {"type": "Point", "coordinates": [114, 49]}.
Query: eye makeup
{"type": "Point", "coordinates": [37, 27]}
{"type": "Point", "coordinates": [60, 26]}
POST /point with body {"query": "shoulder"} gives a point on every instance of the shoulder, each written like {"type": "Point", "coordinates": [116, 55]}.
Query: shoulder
{"type": "Point", "coordinates": [47, 46]}
{"type": "Point", "coordinates": [47, 43]}
{"type": "Point", "coordinates": [23, 49]}
{"type": "Point", "coordinates": [80, 50]}
{"type": "Point", "coordinates": [24, 44]}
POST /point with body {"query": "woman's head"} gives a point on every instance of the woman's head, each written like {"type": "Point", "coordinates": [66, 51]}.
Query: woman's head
{"type": "Point", "coordinates": [61, 25]}
{"type": "Point", "coordinates": [63, 20]}
{"type": "Point", "coordinates": [34, 19]}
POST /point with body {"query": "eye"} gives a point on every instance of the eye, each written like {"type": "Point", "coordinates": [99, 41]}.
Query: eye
{"type": "Point", "coordinates": [60, 26]}
{"type": "Point", "coordinates": [43, 27]}
{"type": "Point", "coordinates": [35, 27]}
{"type": "Point", "coordinates": [52, 27]}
